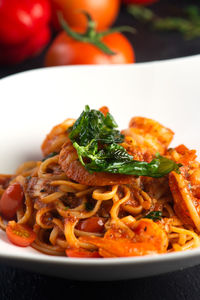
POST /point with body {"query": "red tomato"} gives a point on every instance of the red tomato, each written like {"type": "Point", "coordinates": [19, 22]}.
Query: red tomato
{"type": "Point", "coordinates": [140, 2]}
{"type": "Point", "coordinates": [94, 224]}
{"type": "Point", "coordinates": [20, 235]}
{"type": "Point", "coordinates": [82, 253]}
{"type": "Point", "coordinates": [34, 45]}
{"type": "Point", "coordinates": [20, 19]}
{"type": "Point", "coordinates": [11, 200]}
{"type": "Point", "coordinates": [67, 51]}
{"type": "Point", "coordinates": [104, 12]}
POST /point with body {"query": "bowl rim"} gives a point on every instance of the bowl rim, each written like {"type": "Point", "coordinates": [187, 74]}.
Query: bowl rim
{"type": "Point", "coordinates": [158, 258]}
{"type": "Point", "coordinates": [105, 66]}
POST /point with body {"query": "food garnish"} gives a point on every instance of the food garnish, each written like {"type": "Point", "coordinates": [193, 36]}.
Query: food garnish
{"type": "Point", "coordinates": [97, 141]}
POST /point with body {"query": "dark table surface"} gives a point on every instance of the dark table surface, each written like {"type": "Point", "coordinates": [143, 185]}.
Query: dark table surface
{"type": "Point", "coordinates": [182, 285]}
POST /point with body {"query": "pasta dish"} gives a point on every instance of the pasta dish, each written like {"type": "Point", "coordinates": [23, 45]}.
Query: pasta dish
{"type": "Point", "coordinates": [101, 193]}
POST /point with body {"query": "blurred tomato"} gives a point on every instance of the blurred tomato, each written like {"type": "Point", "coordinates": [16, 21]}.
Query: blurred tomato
{"type": "Point", "coordinates": [104, 12]}
{"type": "Point", "coordinates": [21, 19]}
{"type": "Point", "coordinates": [140, 2]}
{"type": "Point", "coordinates": [67, 51]}
{"type": "Point", "coordinates": [15, 54]}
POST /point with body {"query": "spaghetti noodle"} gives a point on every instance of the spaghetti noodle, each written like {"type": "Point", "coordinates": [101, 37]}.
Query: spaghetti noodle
{"type": "Point", "coordinates": [73, 211]}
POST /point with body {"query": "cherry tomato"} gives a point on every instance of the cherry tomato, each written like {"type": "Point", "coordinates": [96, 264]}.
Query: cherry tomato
{"type": "Point", "coordinates": [67, 51]}
{"type": "Point", "coordinates": [82, 253]}
{"type": "Point", "coordinates": [20, 235]}
{"type": "Point", "coordinates": [140, 2]}
{"type": "Point", "coordinates": [11, 200]}
{"type": "Point", "coordinates": [94, 224]}
{"type": "Point", "coordinates": [104, 12]}
{"type": "Point", "coordinates": [20, 19]}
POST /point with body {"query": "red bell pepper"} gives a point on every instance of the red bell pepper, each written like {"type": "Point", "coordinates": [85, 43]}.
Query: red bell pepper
{"type": "Point", "coordinates": [15, 54]}
{"type": "Point", "coordinates": [24, 29]}
{"type": "Point", "coordinates": [21, 19]}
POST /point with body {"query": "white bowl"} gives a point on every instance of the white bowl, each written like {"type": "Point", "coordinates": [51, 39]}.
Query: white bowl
{"type": "Point", "coordinates": [32, 102]}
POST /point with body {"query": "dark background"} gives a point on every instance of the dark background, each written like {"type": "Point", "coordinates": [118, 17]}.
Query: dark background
{"type": "Point", "coordinates": [148, 44]}
{"type": "Point", "coordinates": [182, 285]}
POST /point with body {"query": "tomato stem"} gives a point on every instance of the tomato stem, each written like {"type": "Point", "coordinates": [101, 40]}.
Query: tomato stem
{"type": "Point", "coordinates": [91, 36]}
{"type": "Point", "coordinates": [91, 25]}
{"type": "Point", "coordinates": [116, 29]}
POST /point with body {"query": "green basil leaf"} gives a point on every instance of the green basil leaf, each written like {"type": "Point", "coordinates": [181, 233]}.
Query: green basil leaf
{"type": "Point", "coordinates": [96, 139]}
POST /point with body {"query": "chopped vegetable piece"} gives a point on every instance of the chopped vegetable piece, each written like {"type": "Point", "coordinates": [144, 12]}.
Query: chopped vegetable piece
{"type": "Point", "coordinates": [20, 235]}
{"type": "Point", "coordinates": [154, 215]}
{"type": "Point", "coordinates": [94, 224]}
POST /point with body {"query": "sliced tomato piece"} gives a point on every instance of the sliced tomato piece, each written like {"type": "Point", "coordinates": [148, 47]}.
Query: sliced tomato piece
{"type": "Point", "coordinates": [20, 234]}
{"type": "Point", "coordinates": [93, 224]}
{"type": "Point", "coordinates": [82, 253]}
{"type": "Point", "coordinates": [11, 200]}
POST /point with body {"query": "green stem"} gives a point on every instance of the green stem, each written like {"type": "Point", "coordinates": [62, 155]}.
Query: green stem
{"type": "Point", "coordinates": [103, 47]}
{"type": "Point", "coordinates": [91, 25]}
{"type": "Point", "coordinates": [91, 36]}
{"type": "Point", "coordinates": [77, 36]}
{"type": "Point", "coordinates": [141, 13]}
{"type": "Point", "coordinates": [117, 29]}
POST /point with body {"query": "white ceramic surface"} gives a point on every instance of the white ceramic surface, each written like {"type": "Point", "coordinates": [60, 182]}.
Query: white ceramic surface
{"type": "Point", "coordinates": [32, 102]}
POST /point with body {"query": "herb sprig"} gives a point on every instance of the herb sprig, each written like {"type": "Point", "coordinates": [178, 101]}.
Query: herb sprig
{"type": "Point", "coordinates": [188, 25]}
{"type": "Point", "coordinates": [97, 142]}
{"type": "Point", "coordinates": [154, 215]}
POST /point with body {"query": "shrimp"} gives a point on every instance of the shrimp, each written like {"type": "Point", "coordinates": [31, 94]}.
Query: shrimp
{"type": "Point", "coordinates": [147, 137]}
{"type": "Point", "coordinates": [181, 154]}
{"type": "Point", "coordinates": [185, 187]}
{"type": "Point", "coordinates": [104, 110]}
{"type": "Point", "coordinates": [186, 202]}
{"type": "Point", "coordinates": [57, 137]}
{"type": "Point", "coordinates": [149, 238]}
{"type": "Point", "coordinates": [68, 160]}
